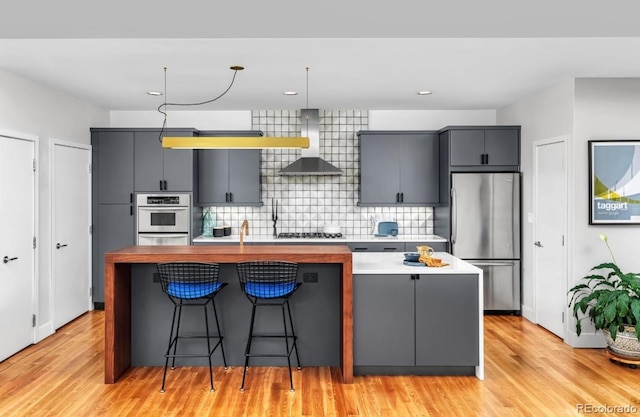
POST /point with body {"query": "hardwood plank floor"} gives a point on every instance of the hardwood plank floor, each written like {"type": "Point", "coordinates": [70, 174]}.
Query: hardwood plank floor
{"type": "Point", "coordinates": [529, 372]}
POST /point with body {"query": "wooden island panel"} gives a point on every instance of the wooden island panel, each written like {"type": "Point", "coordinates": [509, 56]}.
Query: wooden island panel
{"type": "Point", "coordinates": [118, 289]}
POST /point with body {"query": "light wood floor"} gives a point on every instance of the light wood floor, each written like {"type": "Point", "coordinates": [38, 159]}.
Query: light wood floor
{"type": "Point", "coordinates": [529, 372]}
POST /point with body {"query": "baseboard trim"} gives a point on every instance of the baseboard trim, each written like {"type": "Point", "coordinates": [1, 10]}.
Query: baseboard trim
{"type": "Point", "coordinates": [44, 331]}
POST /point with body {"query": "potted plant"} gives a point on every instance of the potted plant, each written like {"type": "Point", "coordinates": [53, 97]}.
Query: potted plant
{"type": "Point", "coordinates": [610, 299]}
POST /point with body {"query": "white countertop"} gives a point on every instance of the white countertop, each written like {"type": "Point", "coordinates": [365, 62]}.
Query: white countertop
{"type": "Point", "coordinates": [343, 240]}
{"type": "Point", "coordinates": [391, 263]}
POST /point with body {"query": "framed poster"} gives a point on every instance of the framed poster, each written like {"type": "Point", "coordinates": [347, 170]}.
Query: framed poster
{"type": "Point", "coordinates": [614, 182]}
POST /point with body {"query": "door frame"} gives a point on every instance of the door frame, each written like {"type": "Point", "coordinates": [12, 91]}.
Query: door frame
{"type": "Point", "coordinates": [564, 139]}
{"type": "Point", "coordinates": [52, 144]}
{"type": "Point", "coordinates": [36, 223]}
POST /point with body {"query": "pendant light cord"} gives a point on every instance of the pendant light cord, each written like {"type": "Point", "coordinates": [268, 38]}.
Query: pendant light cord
{"type": "Point", "coordinates": [163, 107]}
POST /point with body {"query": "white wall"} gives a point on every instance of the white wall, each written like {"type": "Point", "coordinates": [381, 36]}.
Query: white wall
{"type": "Point", "coordinates": [544, 114]}
{"type": "Point", "coordinates": [428, 119]}
{"type": "Point", "coordinates": [202, 120]}
{"type": "Point", "coordinates": [604, 109]}
{"type": "Point", "coordinates": [31, 108]}
{"type": "Point", "coordinates": [582, 109]}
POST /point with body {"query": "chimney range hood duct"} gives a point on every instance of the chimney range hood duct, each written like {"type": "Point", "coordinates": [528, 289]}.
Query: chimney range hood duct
{"type": "Point", "coordinates": [310, 163]}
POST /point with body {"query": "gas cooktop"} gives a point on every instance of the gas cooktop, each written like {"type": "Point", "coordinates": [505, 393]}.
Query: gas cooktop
{"type": "Point", "coordinates": [308, 235]}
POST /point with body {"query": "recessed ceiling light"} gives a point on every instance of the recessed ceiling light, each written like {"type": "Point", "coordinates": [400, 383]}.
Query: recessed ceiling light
{"type": "Point", "coordinates": [424, 93]}
{"type": "Point", "coordinates": [154, 93]}
{"type": "Point", "coordinates": [290, 93]}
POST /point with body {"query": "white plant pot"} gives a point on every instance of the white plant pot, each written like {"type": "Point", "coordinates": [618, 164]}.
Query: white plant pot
{"type": "Point", "coordinates": [626, 343]}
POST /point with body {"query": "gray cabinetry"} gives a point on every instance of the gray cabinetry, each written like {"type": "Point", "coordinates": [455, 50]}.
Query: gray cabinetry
{"type": "Point", "coordinates": [446, 321]}
{"type": "Point", "coordinates": [229, 176]}
{"type": "Point", "coordinates": [383, 312]}
{"type": "Point", "coordinates": [428, 320]}
{"type": "Point", "coordinates": [399, 167]}
{"type": "Point", "coordinates": [436, 246]}
{"type": "Point", "coordinates": [160, 169]}
{"type": "Point", "coordinates": [112, 166]}
{"type": "Point", "coordinates": [113, 229]}
{"type": "Point", "coordinates": [483, 148]}
{"type": "Point", "coordinates": [376, 246]}
{"type": "Point", "coordinates": [112, 199]}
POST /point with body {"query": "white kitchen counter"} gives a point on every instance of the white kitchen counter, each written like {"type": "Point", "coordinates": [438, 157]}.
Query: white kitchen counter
{"type": "Point", "coordinates": [391, 263]}
{"type": "Point", "coordinates": [345, 239]}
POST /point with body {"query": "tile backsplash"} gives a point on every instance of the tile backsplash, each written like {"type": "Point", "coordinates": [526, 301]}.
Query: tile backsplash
{"type": "Point", "coordinates": [307, 203]}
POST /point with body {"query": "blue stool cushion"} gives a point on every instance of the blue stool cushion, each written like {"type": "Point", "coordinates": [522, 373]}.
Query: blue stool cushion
{"type": "Point", "coordinates": [192, 290]}
{"type": "Point", "coordinates": [269, 290]}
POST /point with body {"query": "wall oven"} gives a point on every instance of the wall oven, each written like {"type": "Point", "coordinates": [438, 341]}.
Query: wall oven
{"type": "Point", "coordinates": [163, 219]}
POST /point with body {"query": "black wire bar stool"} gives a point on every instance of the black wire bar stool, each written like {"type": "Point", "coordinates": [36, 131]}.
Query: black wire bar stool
{"type": "Point", "coordinates": [268, 284]}
{"type": "Point", "coordinates": [191, 284]}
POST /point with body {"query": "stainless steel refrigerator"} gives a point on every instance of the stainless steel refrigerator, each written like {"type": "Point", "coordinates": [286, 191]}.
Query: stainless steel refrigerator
{"type": "Point", "coordinates": [485, 231]}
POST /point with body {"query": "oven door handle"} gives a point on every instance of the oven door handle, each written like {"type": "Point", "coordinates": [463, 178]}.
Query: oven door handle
{"type": "Point", "coordinates": [169, 235]}
{"type": "Point", "coordinates": [150, 208]}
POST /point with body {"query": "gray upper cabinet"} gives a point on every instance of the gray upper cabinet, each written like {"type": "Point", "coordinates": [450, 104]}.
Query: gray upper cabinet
{"type": "Point", "coordinates": [159, 169]}
{"type": "Point", "coordinates": [494, 148]}
{"type": "Point", "coordinates": [113, 166]}
{"type": "Point", "coordinates": [399, 167]}
{"type": "Point", "coordinates": [229, 176]}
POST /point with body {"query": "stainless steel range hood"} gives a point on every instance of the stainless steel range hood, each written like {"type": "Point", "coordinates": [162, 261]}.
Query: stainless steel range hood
{"type": "Point", "coordinates": [310, 163]}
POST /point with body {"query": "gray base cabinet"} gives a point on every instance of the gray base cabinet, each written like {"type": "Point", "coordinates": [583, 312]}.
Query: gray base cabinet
{"type": "Point", "coordinates": [425, 320]}
{"type": "Point", "coordinates": [376, 246]}
{"type": "Point", "coordinates": [383, 320]}
{"type": "Point", "coordinates": [115, 229]}
{"type": "Point", "coordinates": [446, 320]}
{"type": "Point", "coordinates": [398, 167]}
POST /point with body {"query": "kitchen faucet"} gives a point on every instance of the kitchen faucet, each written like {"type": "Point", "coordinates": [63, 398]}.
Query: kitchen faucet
{"type": "Point", "coordinates": [244, 227]}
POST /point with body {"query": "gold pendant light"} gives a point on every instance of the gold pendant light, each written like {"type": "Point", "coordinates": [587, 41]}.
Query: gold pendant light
{"type": "Point", "coordinates": [224, 142]}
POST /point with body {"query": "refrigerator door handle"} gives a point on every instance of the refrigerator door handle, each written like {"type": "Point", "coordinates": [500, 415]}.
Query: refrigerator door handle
{"type": "Point", "coordinates": [496, 263]}
{"type": "Point", "coordinates": [454, 216]}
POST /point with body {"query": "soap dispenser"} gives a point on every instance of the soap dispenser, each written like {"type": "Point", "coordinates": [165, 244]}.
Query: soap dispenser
{"type": "Point", "coordinates": [208, 223]}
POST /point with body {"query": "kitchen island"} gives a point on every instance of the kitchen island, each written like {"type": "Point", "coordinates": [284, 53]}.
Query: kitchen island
{"type": "Point", "coordinates": [118, 289]}
{"type": "Point", "coordinates": [416, 319]}
{"type": "Point", "coordinates": [373, 272]}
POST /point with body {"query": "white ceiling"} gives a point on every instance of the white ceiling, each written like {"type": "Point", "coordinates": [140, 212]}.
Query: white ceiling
{"type": "Point", "coordinates": [361, 55]}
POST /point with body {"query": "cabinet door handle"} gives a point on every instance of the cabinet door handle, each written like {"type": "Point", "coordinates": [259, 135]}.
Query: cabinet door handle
{"type": "Point", "coordinates": [390, 249]}
{"type": "Point", "coordinates": [160, 185]}
{"type": "Point", "coordinates": [359, 249]}
{"type": "Point", "coordinates": [166, 187]}
{"type": "Point", "coordinates": [231, 197]}
{"type": "Point", "coordinates": [130, 210]}
{"type": "Point", "coordinates": [131, 198]}
{"type": "Point", "coordinates": [486, 158]}
{"type": "Point", "coordinates": [226, 197]}
{"type": "Point", "coordinates": [397, 197]}
{"type": "Point", "coordinates": [402, 197]}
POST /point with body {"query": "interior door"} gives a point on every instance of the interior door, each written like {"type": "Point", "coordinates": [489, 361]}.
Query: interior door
{"type": "Point", "coordinates": [71, 240]}
{"type": "Point", "coordinates": [549, 253]}
{"type": "Point", "coordinates": [17, 255]}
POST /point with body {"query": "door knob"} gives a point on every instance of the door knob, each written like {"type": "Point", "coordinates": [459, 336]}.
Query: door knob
{"type": "Point", "coordinates": [537, 243]}
{"type": "Point", "coordinates": [58, 246]}
{"type": "Point", "coordinates": [6, 259]}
